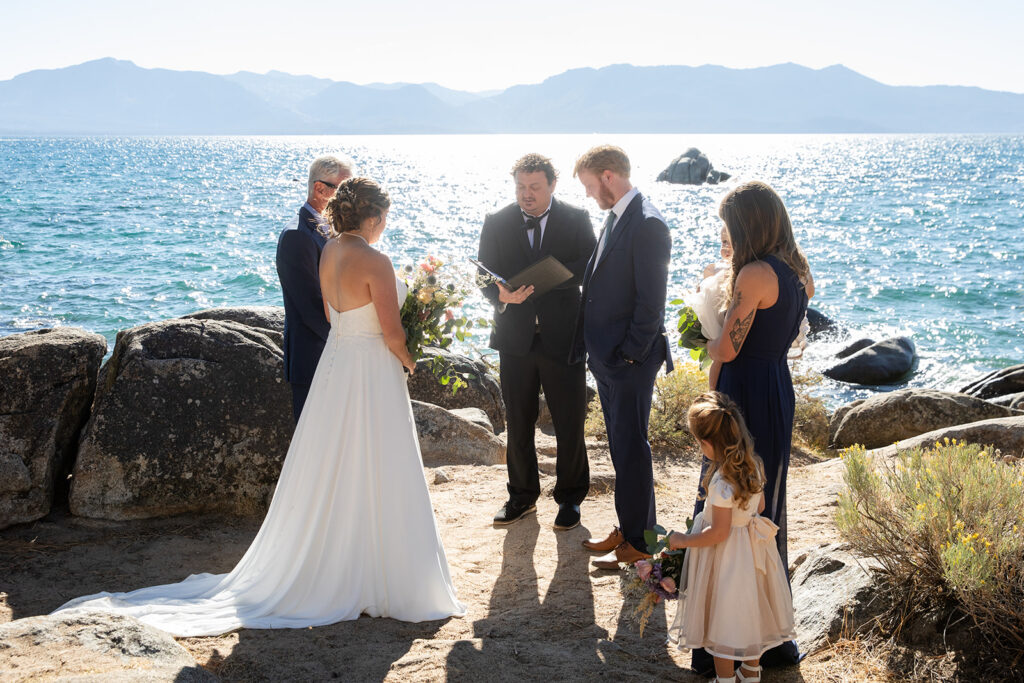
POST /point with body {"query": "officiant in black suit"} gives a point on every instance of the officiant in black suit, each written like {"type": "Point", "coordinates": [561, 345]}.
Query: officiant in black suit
{"type": "Point", "coordinates": [298, 267]}
{"type": "Point", "coordinates": [532, 335]}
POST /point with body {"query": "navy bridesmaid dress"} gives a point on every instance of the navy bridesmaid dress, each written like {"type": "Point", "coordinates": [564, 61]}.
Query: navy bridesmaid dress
{"type": "Point", "coordinates": [758, 381]}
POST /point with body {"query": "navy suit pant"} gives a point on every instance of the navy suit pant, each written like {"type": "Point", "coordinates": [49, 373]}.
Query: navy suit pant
{"type": "Point", "coordinates": [299, 394]}
{"type": "Point", "coordinates": [626, 394]}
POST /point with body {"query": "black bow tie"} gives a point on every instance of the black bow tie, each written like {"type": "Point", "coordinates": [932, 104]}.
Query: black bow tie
{"type": "Point", "coordinates": [533, 223]}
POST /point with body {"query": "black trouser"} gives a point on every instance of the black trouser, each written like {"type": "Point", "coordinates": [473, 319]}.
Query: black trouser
{"type": "Point", "coordinates": [299, 394]}
{"type": "Point", "coordinates": [565, 388]}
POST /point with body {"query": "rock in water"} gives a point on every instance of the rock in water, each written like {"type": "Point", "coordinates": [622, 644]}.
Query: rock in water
{"type": "Point", "coordinates": [885, 362]}
{"type": "Point", "coordinates": [832, 591]}
{"type": "Point", "coordinates": [692, 167]}
{"type": "Point", "coordinates": [483, 391]}
{"type": "Point", "coordinates": [1009, 400]}
{"type": "Point", "coordinates": [47, 380]}
{"type": "Point", "coordinates": [820, 324]}
{"type": "Point", "coordinates": [189, 416]}
{"type": "Point", "coordinates": [93, 647]}
{"type": "Point", "coordinates": [853, 348]}
{"type": "Point", "coordinates": [447, 439]}
{"type": "Point", "coordinates": [998, 383]}
{"type": "Point", "coordinates": [887, 418]}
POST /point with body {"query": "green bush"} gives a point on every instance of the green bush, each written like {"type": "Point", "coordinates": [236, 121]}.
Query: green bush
{"type": "Point", "coordinates": [945, 525]}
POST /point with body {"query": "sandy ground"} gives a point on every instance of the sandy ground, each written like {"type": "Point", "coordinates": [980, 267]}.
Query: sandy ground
{"type": "Point", "coordinates": [537, 609]}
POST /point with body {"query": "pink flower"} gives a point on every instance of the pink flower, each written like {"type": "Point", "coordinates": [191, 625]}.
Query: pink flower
{"type": "Point", "coordinates": [448, 315]}
{"type": "Point", "coordinates": [427, 267]}
{"type": "Point", "coordinates": [669, 584]}
{"type": "Point", "coordinates": [643, 569]}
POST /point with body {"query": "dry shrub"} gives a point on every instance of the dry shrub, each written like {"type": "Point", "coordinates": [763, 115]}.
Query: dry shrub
{"type": "Point", "coordinates": [594, 426]}
{"type": "Point", "coordinates": [850, 660]}
{"type": "Point", "coordinates": [673, 394]}
{"type": "Point", "coordinates": [810, 420]}
{"type": "Point", "coordinates": [945, 524]}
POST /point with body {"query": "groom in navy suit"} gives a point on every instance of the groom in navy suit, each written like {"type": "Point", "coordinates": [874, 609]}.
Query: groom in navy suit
{"type": "Point", "coordinates": [298, 267]}
{"type": "Point", "coordinates": [621, 329]}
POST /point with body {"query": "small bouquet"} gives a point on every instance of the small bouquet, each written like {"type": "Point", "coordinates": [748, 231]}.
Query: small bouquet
{"type": "Point", "coordinates": [428, 318]}
{"type": "Point", "coordinates": [703, 314]}
{"type": "Point", "coordinates": [691, 336]}
{"type": "Point", "coordinates": [651, 581]}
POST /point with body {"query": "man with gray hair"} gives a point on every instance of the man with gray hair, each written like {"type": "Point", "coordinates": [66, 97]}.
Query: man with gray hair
{"type": "Point", "coordinates": [298, 267]}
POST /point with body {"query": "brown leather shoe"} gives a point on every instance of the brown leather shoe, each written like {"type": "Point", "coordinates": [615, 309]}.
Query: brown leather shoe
{"type": "Point", "coordinates": [615, 538]}
{"type": "Point", "coordinates": [624, 553]}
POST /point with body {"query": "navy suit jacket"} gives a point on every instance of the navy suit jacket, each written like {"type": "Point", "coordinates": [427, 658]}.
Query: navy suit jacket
{"type": "Point", "coordinates": [622, 314]}
{"type": "Point", "coordinates": [505, 249]}
{"type": "Point", "coordinates": [298, 267]}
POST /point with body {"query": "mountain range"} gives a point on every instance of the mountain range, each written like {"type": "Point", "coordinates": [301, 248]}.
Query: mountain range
{"type": "Point", "coordinates": [116, 97]}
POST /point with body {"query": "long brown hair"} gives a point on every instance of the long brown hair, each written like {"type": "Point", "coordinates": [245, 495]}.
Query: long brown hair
{"type": "Point", "coordinates": [715, 418]}
{"type": "Point", "coordinates": [759, 226]}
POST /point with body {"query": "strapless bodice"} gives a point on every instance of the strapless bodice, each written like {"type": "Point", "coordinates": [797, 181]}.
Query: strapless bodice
{"type": "Point", "coordinates": [362, 321]}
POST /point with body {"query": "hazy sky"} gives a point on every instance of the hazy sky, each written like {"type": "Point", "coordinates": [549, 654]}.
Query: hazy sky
{"type": "Point", "coordinates": [484, 45]}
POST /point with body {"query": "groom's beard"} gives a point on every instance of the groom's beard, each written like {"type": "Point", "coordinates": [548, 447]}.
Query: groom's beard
{"type": "Point", "coordinates": [605, 198]}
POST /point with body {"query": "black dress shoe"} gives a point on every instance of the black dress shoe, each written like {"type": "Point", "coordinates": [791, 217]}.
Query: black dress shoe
{"type": "Point", "coordinates": [568, 517]}
{"type": "Point", "coordinates": [512, 512]}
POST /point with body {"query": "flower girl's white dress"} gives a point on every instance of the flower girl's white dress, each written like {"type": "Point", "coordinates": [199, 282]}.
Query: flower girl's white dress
{"type": "Point", "coordinates": [350, 530]}
{"type": "Point", "coordinates": [735, 602]}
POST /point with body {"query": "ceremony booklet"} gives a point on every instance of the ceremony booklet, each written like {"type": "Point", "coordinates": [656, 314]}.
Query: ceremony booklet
{"type": "Point", "coordinates": [544, 275]}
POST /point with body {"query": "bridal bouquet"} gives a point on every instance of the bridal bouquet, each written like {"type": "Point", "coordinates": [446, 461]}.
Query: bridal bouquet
{"type": "Point", "coordinates": [428, 318]}
{"type": "Point", "coordinates": [648, 582]}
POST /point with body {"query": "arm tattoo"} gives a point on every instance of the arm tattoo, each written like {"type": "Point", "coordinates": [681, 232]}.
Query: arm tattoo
{"type": "Point", "coordinates": [739, 330]}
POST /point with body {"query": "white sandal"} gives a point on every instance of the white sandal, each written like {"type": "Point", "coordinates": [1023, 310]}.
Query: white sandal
{"type": "Point", "coordinates": [756, 678]}
{"type": "Point", "coordinates": [730, 679]}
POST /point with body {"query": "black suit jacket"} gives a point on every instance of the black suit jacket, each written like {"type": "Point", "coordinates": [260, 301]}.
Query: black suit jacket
{"type": "Point", "coordinates": [623, 310]}
{"type": "Point", "coordinates": [305, 327]}
{"type": "Point", "coordinates": [505, 249]}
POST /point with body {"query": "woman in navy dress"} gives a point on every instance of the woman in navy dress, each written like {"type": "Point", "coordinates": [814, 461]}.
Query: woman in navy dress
{"type": "Point", "coordinates": [770, 285]}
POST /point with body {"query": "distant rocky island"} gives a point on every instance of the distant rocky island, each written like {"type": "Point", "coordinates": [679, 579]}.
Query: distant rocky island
{"type": "Point", "coordinates": [116, 97]}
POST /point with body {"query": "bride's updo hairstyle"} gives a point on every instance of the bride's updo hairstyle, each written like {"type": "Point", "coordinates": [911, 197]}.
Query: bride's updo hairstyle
{"type": "Point", "coordinates": [759, 226]}
{"type": "Point", "coordinates": [355, 200]}
{"type": "Point", "coordinates": [715, 418]}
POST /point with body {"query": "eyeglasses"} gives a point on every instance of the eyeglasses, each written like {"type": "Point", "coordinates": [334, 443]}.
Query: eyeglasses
{"type": "Point", "coordinates": [330, 185]}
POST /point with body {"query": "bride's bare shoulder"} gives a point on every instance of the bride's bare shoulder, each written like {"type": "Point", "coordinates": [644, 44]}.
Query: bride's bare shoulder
{"type": "Point", "coordinates": [375, 258]}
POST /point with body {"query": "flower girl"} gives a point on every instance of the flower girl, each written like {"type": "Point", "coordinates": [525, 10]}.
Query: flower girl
{"type": "Point", "coordinates": [737, 602]}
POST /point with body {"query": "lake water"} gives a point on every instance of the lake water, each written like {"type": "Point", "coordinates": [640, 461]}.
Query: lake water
{"type": "Point", "coordinates": [916, 235]}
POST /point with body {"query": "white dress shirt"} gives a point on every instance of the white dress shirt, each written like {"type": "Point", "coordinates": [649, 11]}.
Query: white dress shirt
{"type": "Point", "coordinates": [618, 210]}
{"type": "Point", "coordinates": [543, 224]}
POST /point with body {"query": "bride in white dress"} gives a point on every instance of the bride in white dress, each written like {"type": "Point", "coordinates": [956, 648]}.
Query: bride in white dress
{"type": "Point", "coordinates": [351, 529]}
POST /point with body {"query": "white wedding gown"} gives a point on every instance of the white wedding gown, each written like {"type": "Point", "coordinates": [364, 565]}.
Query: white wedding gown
{"type": "Point", "coordinates": [350, 530]}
